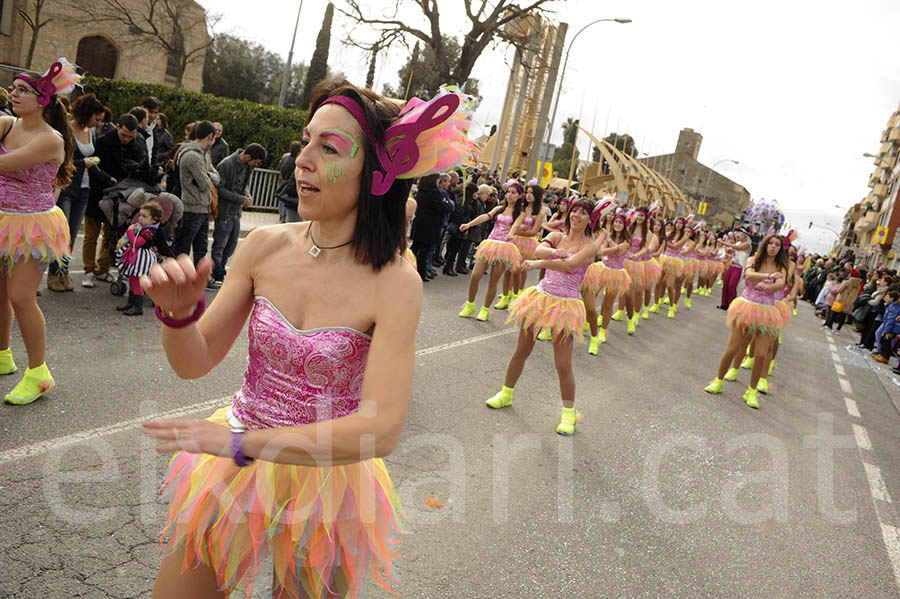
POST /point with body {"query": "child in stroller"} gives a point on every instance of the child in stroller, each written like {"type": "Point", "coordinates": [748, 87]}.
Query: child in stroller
{"type": "Point", "coordinates": [134, 252]}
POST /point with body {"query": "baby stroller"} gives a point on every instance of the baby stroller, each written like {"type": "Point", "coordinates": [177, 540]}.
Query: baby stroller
{"type": "Point", "coordinates": [123, 213]}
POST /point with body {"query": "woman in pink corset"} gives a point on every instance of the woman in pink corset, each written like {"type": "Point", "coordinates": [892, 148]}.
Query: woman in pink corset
{"type": "Point", "coordinates": [291, 471]}
{"type": "Point", "coordinates": [36, 152]}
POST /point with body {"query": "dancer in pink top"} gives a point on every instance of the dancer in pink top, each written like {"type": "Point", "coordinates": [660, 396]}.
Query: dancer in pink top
{"type": "Point", "coordinates": [35, 157]}
{"type": "Point", "coordinates": [292, 470]}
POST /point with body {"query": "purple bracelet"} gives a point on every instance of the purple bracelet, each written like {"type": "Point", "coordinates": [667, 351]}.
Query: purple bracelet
{"type": "Point", "coordinates": [172, 323]}
{"type": "Point", "coordinates": [237, 449]}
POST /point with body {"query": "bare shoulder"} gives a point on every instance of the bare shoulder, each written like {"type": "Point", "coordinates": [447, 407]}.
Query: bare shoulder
{"type": "Point", "coordinates": [555, 237]}
{"type": "Point", "coordinates": [265, 239]}
{"type": "Point", "coordinates": [398, 281]}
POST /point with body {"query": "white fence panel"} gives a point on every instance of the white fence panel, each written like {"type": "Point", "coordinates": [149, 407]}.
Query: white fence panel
{"type": "Point", "coordinates": [262, 188]}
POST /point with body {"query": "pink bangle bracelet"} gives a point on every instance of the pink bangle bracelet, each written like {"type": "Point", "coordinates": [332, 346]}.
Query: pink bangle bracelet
{"type": "Point", "coordinates": [173, 323]}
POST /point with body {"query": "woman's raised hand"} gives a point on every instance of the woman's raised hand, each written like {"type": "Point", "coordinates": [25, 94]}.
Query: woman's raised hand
{"type": "Point", "coordinates": [176, 286]}
{"type": "Point", "coordinates": [464, 227]}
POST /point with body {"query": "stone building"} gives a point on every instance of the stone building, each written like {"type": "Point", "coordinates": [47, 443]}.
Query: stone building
{"type": "Point", "coordinates": [103, 47]}
{"type": "Point", "coordinates": [725, 199]}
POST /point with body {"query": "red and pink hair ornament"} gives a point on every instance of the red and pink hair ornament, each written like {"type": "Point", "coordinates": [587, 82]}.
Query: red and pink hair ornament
{"type": "Point", "coordinates": [601, 209]}
{"type": "Point", "coordinates": [620, 215]}
{"type": "Point", "coordinates": [789, 239]}
{"type": "Point", "coordinates": [60, 78]}
{"type": "Point", "coordinates": [427, 137]}
{"type": "Point", "coordinates": [515, 183]}
{"type": "Point", "coordinates": [653, 210]}
{"type": "Point", "coordinates": [567, 202]}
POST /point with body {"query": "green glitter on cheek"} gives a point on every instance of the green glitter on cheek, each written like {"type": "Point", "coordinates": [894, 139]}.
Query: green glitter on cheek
{"type": "Point", "coordinates": [334, 172]}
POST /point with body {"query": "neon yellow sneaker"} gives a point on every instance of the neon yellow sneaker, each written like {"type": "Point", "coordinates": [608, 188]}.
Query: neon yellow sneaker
{"type": "Point", "coordinates": [731, 375]}
{"type": "Point", "coordinates": [503, 302]}
{"type": "Point", "coordinates": [683, 291]}
{"type": "Point", "coordinates": [637, 320]}
{"type": "Point", "coordinates": [714, 386]}
{"type": "Point", "coordinates": [794, 311]}
{"type": "Point", "coordinates": [771, 367]}
{"type": "Point", "coordinates": [654, 309]}
{"type": "Point", "coordinates": [763, 386]}
{"type": "Point", "coordinates": [483, 314]}
{"type": "Point", "coordinates": [630, 327]}
{"type": "Point", "coordinates": [36, 382]}
{"type": "Point", "coordinates": [503, 399]}
{"type": "Point", "coordinates": [7, 365]}
{"type": "Point", "coordinates": [468, 310]}
{"type": "Point", "coordinates": [618, 315]}
{"type": "Point", "coordinates": [671, 313]}
{"type": "Point", "coordinates": [747, 364]}
{"type": "Point", "coordinates": [594, 346]}
{"type": "Point", "coordinates": [544, 335]}
{"type": "Point", "coordinates": [567, 423]}
{"type": "Point", "coordinates": [719, 283]}
{"type": "Point", "coordinates": [750, 398]}
{"type": "Point", "coordinates": [645, 314]}
{"type": "Point", "coordinates": [601, 334]}
{"type": "Point", "coordinates": [687, 303]}
{"type": "Point", "coordinates": [666, 300]}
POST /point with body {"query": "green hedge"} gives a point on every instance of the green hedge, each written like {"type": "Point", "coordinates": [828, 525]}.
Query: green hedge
{"type": "Point", "coordinates": [243, 122]}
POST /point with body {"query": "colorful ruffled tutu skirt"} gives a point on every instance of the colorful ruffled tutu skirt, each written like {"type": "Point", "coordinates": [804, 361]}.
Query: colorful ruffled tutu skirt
{"type": "Point", "coordinates": [41, 236]}
{"type": "Point", "coordinates": [537, 311]}
{"type": "Point", "coordinates": [612, 280]}
{"type": "Point", "coordinates": [323, 528]}
{"type": "Point", "coordinates": [754, 318]}
{"type": "Point", "coordinates": [643, 273]}
{"type": "Point", "coordinates": [526, 245]}
{"type": "Point", "coordinates": [672, 265]}
{"type": "Point", "coordinates": [691, 267]}
{"type": "Point", "coordinates": [785, 310]}
{"type": "Point", "coordinates": [491, 251]}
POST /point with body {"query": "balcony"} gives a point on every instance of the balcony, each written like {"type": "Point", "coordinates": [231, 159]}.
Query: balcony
{"type": "Point", "coordinates": [880, 189]}
{"type": "Point", "coordinates": [894, 134]}
{"type": "Point", "coordinates": [885, 148]}
{"type": "Point", "coordinates": [894, 120]}
{"type": "Point", "coordinates": [867, 223]}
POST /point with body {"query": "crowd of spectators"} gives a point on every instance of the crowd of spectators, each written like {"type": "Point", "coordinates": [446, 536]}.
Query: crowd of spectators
{"type": "Point", "coordinates": [122, 164]}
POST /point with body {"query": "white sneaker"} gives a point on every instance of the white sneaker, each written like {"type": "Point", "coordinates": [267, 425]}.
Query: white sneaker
{"type": "Point", "coordinates": [88, 280]}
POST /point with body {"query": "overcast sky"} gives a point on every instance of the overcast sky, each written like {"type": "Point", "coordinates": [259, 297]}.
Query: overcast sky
{"type": "Point", "coordinates": [795, 90]}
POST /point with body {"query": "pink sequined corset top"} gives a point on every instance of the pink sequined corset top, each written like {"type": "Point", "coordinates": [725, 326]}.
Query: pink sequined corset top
{"type": "Point", "coordinates": [563, 283]}
{"type": "Point", "coordinates": [752, 294]}
{"type": "Point", "coordinates": [501, 228]}
{"type": "Point", "coordinates": [635, 247]}
{"type": "Point", "coordinates": [673, 252]}
{"type": "Point", "coordinates": [614, 261]}
{"type": "Point", "coordinates": [295, 377]}
{"type": "Point", "coordinates": [30, 190]}
{"type": "Point", "coordinates": [780, 294]}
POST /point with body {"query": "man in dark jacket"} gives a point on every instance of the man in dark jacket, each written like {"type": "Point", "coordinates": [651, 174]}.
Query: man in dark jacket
{"type": "Point", "coordinates": [219, 149]}
{"type": "Point", "coordinates": [458, 244]}
{"type": "Point", "coordinates": [234, 181]}
{"type": "Point", "coordinates": [121, 157]}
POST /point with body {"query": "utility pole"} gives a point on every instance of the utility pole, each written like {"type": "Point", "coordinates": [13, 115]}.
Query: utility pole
{"type": "Point", "coordinates": [287, 67]}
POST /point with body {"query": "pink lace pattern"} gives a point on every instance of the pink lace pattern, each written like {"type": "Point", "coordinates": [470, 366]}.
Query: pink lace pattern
{"type": "Point", "coordinates": [614, 261]}
{"type": "Point", "coordinates": [30, 190]}
{"type": "Point", "coordinates": [502, 225]}
{"type": "Point", "coordinates": [563, 283]}
{"type": "Point", "coordinates": [296, 377]}
{"type": "Point", "coordinates": [758, 296]}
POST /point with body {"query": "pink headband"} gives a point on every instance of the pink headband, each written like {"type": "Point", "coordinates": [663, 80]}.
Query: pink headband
{"type": "Point", "coordinates": [61, 77]}
{"type": "Point", "coordinates": [399, 154]}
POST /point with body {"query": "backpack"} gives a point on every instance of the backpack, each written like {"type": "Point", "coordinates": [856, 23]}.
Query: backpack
{"type": "Point", "coordinates": [173, 175]}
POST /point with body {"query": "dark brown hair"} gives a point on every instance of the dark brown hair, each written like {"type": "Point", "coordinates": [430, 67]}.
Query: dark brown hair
{"type": "Point", "coordinates": [84, 108]}
{"type": "Point", "coordinates": [56, 115]}
{"type": "Point", "coordinates": [781, 258]}
{"type": "Point", "coordinates": [380, 232]}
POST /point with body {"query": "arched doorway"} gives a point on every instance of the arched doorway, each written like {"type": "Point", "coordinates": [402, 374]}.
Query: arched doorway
{"type": "Point", "coordinates": [97, 56]}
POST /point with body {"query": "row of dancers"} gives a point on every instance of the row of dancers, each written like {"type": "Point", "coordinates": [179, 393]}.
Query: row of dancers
{"type": "Point", "coordinates": [592, 250]}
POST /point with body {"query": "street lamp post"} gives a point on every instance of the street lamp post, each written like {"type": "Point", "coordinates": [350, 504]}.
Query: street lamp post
{"type": "Point", "coordinates": [709, 178]}
{"type": "Point", "coordinates": [287, 66]}
{"type": "Point", "coordinates": [562, 74]}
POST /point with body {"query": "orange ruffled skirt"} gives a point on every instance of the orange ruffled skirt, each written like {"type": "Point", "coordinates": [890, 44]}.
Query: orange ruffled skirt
{"type": "Point", "coordinates": [672, 265]}
{"type": "Point", "coordinates": [598, 277]}
{"type": "Point", "coordinates": [41, 236]}
{"type": "Point", "coordinates": [526, 245]}
{"type": "Point", "coordinates": [323, 528]}
{"type": "Point", "coordinates": [786, 312]}
{"type": "Point", "coordinates": [644, 273]}
{"type": "Point", "coordinates": [753, 318]}
{"type": "Point", "coordinates": [491, 251]}
{"type": "Point", "coordinates": [536, 311]}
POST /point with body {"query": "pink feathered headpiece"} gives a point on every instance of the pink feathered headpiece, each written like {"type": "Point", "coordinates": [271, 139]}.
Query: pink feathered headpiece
{"type": "Point", "coordinates": [60, 78]}
{"type": "Point", "coordinates": [603, 207]}
{"type": "Point", "coordinates": [789, 239]}
{"type": "Point", "coordinates": [427, 137]}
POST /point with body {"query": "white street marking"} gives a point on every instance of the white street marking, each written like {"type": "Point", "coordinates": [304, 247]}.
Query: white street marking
{"type": "Point", "coordinates": [851, 407]}
{"type": "Point", "coordinates": [876, 483]}
{"type": "Point", "coordinates": [845, 386]}
{"type": "Point", "coordinates": [840, 370]}
{"type": "Point", "coordinates": [862, 437]}
{"type": "Point", "coordinates": [891, 536]}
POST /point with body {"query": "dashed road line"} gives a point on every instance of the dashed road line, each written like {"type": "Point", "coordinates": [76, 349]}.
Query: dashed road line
{"type": "Point", "coordinates": [840, 370]}
{"type": "Point", "coordinates": [862, 437]}
{"type": "Point", "coordinates": [845, 386]}
{"type": "Point", "coordinates": [876, 483]}
{"type": "Point", "coordinates": [852, 408]}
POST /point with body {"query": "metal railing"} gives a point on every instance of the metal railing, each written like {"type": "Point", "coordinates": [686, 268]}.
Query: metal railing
{"type": "Point", "coordinates": [262, 188]}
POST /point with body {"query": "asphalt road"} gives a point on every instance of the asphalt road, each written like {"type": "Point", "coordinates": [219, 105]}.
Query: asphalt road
{"type": "Point", "coordinates": [663, 492]}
